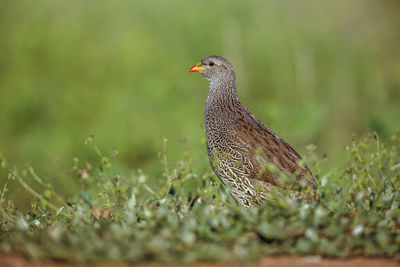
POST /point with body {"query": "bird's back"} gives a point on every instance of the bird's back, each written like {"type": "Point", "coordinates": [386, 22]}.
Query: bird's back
{"type": "Point", "coordinates": [244, 153]}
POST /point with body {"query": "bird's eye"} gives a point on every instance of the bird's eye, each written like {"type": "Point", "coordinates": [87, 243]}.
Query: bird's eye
{"type": "Point", "coordinates": [211, 64]}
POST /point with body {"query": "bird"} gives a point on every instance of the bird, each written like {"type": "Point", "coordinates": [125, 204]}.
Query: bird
{"type": "Point", "coordinates": [245, 154]}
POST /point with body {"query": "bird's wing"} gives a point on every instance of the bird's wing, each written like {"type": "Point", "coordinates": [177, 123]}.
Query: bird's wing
{"type": "Point", "coordinates": [266, 152]}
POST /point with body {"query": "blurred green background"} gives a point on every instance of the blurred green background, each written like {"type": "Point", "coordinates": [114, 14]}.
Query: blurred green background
{"type": "Point", "coordinates": [313, 71]}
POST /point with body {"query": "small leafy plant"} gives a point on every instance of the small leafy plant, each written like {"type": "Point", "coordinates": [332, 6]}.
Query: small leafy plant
{"type": "Point", "coordinates": [118, 216]}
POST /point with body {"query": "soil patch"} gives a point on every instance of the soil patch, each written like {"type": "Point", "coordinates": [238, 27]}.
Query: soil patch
{"type": "Point", "coordinates": [281, 261]}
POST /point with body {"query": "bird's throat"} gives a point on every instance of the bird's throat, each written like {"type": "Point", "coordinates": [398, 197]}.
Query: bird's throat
{"type": "Point", "coordinates": [221, 94]}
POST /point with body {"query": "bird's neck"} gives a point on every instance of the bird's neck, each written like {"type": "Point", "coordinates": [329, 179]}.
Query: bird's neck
{"type": "Point", "coordinates": [222, 95]}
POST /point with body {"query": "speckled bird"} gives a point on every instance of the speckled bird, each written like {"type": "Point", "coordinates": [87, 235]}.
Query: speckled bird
{"type": "Point", "coordinates": [244, 153]}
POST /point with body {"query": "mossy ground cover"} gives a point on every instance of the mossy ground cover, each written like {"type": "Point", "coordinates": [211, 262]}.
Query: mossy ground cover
{"type": "Point", "coordinates": [118, 215]}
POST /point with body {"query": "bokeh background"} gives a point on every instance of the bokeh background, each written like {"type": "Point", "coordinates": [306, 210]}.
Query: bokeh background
{"type": "Point", "coordinates": [313, 71]}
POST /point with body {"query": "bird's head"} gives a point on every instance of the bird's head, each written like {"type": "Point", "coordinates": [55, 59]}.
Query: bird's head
{"type": "Point", "coordinates": [214, 68]}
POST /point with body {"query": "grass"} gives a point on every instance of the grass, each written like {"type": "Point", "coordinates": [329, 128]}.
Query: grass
{"type": "Point", "coordinates": [120, 70]}
{"type": "Point", "coordinates": [119, 215]}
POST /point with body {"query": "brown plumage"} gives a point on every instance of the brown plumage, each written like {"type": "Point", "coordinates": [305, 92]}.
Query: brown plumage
{"type": "Point", "coordinates": [244, 152]}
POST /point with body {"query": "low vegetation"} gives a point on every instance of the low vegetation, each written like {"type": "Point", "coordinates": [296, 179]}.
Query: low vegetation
{"type": "Point", "coordinates": [122, 216]}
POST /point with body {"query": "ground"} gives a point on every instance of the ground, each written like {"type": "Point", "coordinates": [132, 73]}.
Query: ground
{"type": "Point", "coordinates": [281, 261]}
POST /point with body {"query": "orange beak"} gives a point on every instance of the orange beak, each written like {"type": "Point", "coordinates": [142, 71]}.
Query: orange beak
{"type": "Point", "coordinates": [196, 68]}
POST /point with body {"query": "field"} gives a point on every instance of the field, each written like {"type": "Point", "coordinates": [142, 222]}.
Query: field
{"type": "Point", "coordinates": [118, 217]}
{"type": "Point", "coordinates": [102, 144]}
